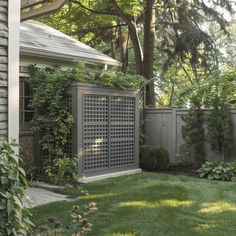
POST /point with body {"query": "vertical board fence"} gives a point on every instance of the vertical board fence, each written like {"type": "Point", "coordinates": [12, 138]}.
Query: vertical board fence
{"type": "Point", "coordinates": [106, 133]}
{"type": "Point", "coordinates": [163, 128]}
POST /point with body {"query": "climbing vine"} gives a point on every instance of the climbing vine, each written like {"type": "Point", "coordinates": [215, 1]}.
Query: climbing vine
{"type": "Point", "coordinates": [52, 116]}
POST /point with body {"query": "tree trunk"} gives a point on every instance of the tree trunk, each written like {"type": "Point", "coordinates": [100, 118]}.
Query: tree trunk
{"type": "Point", "coordinates": [144, 63]}
{"type": "Point", "coordinates": [123, 45]}
{"type": "Point", "coordinates": [133, 32]}
{"type": "Point", "coordinates": [149, 42]}
{"type": "Point", "coordinates": [137, 47]}
{"type": "Point", "coordinates": [113, 49]}
{"type": "Point", "coordinates": [171, 95]}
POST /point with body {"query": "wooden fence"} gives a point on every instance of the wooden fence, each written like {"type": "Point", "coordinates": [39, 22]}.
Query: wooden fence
{"type": "Point", "coordinates": [163, 128]}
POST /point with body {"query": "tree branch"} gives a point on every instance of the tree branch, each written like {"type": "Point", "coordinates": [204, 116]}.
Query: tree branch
{"type": "Point", "coordinates": [133, 36]}
{"type": "Point", "coordinates": [110, 27]}
{"type": "Point", "coordinates": [185, 71]}
{"type": "Point", "coordinates": [87, 30]}
{"type": "Point", "coordinates": [124, 16]}
{"type": "Point", "coordinates": [93, 11]}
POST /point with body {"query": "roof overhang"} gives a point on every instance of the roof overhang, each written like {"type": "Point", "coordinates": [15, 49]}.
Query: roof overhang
{"type": "Point", "coordinates": [39, 53]}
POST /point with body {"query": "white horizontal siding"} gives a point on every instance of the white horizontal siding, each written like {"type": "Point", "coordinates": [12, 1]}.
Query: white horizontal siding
{"type": "Point", "coordinates": [3, 67]}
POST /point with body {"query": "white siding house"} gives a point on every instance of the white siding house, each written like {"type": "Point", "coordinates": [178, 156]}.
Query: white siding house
{"type": "Point", "coordinates": [9, 68]}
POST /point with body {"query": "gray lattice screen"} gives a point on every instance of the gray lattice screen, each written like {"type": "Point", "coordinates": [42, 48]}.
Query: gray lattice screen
{"type": "Point", "coordinates": [95, 132]}
{"type": "Point", "coordinates": [106, 129]}
{"type": "Point", "coordinates": [108, 132]}
{"type": "Point", "coordinates": [122, 120]}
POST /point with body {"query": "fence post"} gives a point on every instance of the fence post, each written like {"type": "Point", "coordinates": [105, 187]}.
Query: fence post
{"type": "Point", "coordinates": [174, 130]}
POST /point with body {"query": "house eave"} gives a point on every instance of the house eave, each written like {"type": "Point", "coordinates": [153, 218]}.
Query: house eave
{"type": "Point", "coordinates": [71, 58]}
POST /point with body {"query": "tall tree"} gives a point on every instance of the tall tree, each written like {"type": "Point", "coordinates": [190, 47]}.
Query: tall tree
{"type": "Point", "coordinates": [176, 24]}
{"type": "Point", "coordinates": [144, 56]}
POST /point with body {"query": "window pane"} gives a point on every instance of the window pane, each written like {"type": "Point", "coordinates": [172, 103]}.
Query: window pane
{"type": "Point", "coordinates": [28, 90]}
{"type": "Point", "coordinates": [26, 113]}
{"type": "Point", "coordinates": [28, 116]}
{"type": "Point", "coordinates": [27, 104]}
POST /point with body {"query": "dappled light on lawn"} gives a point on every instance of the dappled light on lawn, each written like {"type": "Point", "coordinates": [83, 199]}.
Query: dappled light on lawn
{"type": "Point", "coordinates": [96, 196]}
{"type": "Point", "coordinates": [161, 203]}
{"type": "Point", "coordinates": [217, 207]}
{"type": "Point", "coordinates": [125, 234]}
{"type": "Point", "coordinates": [205, 226]}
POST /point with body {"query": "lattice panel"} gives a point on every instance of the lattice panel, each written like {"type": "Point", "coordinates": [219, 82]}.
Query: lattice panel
{"type": "Point", "coordinates": [122, 109]}
{"type": "Point", "coordinates": [122, 153]}
{"type": "Point", "coordinates": [95, 132]}
{"type": "Point", "coordinates": [95, 108]}
{"type": "Point", "coordinates": [122, 130]}
{"type": "Point", "coordinates": [95, 155]}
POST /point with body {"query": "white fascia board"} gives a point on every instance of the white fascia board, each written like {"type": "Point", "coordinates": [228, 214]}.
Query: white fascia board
{"type": "Point", "coordinates": [48, 54]}
{"type": "Point", "coordinates": [13, 69]}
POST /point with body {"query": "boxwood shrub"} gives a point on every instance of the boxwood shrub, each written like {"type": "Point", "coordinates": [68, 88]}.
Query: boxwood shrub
{"type": "Point", "coordinates": [152, 158]}
{"type": "Point", "coordinates": [218, 171]}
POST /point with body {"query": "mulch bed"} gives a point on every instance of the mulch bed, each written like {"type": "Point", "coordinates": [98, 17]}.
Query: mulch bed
{"type": "Point", "coordinates": [182, 171]}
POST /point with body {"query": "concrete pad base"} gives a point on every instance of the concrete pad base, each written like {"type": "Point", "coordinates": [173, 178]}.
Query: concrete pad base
{"type": "Point", "coordinates": [110, 175]}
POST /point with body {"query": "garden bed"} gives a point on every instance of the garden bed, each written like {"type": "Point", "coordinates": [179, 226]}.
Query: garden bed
{"type": "Point", "coordinates": [180, 170]}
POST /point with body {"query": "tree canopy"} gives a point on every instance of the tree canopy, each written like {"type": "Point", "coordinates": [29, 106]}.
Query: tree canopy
{"type": "Point", "coordinates": [161, 40]}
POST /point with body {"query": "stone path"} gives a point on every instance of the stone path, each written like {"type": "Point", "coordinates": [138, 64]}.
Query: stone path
{"type": "Point", "coordinates": [38, 196]}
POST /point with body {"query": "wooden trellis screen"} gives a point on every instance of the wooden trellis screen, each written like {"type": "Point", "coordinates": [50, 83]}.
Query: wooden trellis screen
{"type": "Point", "coordinates": [106, 133]}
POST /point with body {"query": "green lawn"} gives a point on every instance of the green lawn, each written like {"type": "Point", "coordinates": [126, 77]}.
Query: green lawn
{"type": "Point", "coordinates": [153, 204]}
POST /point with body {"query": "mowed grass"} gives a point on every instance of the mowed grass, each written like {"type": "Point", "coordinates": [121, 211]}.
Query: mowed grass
{"type": "Point", "coordinates": [152, 204]}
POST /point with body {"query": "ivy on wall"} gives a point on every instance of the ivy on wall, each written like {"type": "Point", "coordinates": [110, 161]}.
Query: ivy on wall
{"type": "Point", "coordinates": [52, 117]}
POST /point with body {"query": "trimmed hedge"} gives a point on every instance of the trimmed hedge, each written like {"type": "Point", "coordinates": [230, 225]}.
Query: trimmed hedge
{"type": "Point", "coordinates": [152, 158]}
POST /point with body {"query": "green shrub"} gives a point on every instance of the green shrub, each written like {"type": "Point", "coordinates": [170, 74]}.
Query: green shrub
{"type": "Point", "coordinates": [152, 158]}
{"type": "Point", "coordinates": [220, 128]}
{"type": "Point", "coordinates": [14, 219]}
{"type": "Point", "coordinates": [218, 171]}
{"type": "Point", "coordinates": [62, 170]}
{"type": "Point", "coordinates": [193, 133]}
